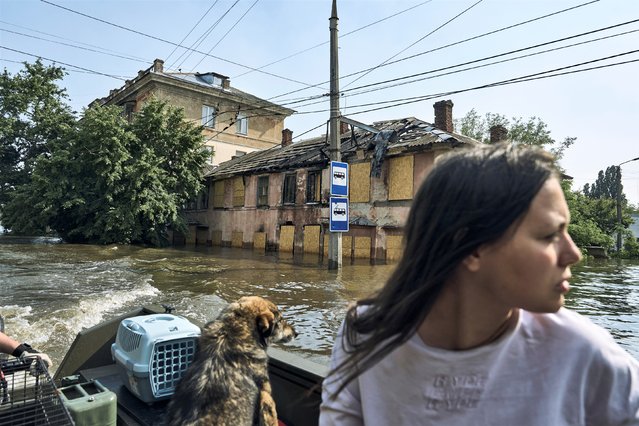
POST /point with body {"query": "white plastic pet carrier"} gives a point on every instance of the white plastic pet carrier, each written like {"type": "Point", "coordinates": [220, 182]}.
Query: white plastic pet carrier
{"type": "Point", "coordinates": [152, 353]}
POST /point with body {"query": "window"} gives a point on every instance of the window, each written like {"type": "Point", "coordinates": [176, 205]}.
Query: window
{"type": "Point", "coordinates": [218, 194]}
{"type": "Point", "coordinates": [313, 186]}
{"type": "Point", "coordinates": [129, 107]}
{"type": "Point", "coordinates": [262, 191]}
{"type": "Point", "coordinates": [210, 153]}
{"type": "Point", "coordinates": [203, 199]}
{"type": "Point", "coordinates": [208, 116]}
{"type": "Point", "coordinates": [288, 195]}
{"type": "Point", "coordinates": [241, 124]}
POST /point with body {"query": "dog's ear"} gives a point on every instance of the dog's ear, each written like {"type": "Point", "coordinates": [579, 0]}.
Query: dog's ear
{"type": "Point", "coordinates": [266, 323]}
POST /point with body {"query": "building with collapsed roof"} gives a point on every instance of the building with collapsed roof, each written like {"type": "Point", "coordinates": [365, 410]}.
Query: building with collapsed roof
{"type": "Point", "coordinates": [234, 122]}
{"type": "Point", "coordinates": [277, 199]}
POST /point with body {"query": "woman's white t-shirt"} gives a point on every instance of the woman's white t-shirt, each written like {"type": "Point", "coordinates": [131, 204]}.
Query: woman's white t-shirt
{"type": "Point", "coordinates": [551, 369]}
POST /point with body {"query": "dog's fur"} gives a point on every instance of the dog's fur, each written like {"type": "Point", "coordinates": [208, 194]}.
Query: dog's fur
{"type": "Point", "coordinates": [228, 383]}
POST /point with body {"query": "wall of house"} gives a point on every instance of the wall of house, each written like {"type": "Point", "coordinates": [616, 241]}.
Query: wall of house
{"type": "Point", "coordinates": [379, 207]}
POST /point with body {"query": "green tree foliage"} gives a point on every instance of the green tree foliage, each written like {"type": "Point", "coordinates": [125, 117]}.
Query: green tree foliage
{"type": "Point", "coordinates": [33, 112]}
{"type": "Point", "coordinates": [114, 182]}
{"type": "Point", "coordinates": [607, 185]}
{"type": "Point", "coordinates": [529, 132]}
{"type": "Point", "coordinates": [592, 222]}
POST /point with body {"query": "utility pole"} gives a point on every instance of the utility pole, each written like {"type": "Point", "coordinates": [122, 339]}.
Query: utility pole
{"type": "Point", "coordinates": [335, 238]}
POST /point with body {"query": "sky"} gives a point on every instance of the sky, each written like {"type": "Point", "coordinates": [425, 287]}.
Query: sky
{"type": "Point", "coordinates": [279, 50]}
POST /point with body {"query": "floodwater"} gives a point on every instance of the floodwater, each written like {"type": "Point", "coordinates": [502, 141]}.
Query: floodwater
{"type": "Point", "coordinates": [49, 292]}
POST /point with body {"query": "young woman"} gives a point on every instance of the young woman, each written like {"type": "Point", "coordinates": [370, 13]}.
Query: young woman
{"type": "Point", "coordinates": [470, 328]}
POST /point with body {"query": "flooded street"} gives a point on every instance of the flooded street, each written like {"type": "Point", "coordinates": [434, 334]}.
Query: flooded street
{"type": "Point", "coordinates": [51, 291]}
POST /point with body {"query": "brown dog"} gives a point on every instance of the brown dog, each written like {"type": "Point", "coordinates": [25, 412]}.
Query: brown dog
{"type": "Point", "coordinates": [228, 383]}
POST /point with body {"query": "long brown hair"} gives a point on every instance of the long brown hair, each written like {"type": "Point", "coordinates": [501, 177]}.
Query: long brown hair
{"type": "Point", "coordinates": [470, 198]}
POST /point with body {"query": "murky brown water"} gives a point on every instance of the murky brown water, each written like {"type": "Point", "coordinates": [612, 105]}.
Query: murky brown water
{"type": "Point", "coordinates": [49, 292]}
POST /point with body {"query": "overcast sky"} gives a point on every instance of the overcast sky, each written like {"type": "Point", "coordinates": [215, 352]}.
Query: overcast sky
{"type": "Point", "coordinates": [278, 50]}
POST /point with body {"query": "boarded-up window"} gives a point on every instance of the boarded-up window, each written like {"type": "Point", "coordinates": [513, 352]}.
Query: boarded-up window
{"type": "Point", "coordinates": [313, 186]}
{"type": "Point", "coordinates": [238, 191]}
{"type": "Point", "coordinates": [288, 193]}
{"type": "Point", "coordinates": [400, 179]}
{"type": "Point", "coordinates": [360, 182]}
{"type": "Point", "coordinates": [218, 194]}
{"type": "Point", "coordinates": [287, 235]}
{"type": "Point", "coordinates": [312, 238]}
{"type": "Point", "coordinates": [262, 191]}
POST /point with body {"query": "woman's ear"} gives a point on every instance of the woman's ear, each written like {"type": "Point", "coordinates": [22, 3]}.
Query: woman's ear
{"type": "Point", "coordinates": [472, 262]}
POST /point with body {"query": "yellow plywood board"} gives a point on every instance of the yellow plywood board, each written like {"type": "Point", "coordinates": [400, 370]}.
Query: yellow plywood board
{"type": "Point", "coordinates": [362, 247]}
{"type": "Point", "coordinates": [393, 247]}
{"type": "Point", "coordinates": [287, 235]}
{"type": "Point", "coordinates": [190, 235]}
{"type": "Point", "coordinates": [347, 245]}
{"type": "Point", "coordinates": [236, 239]}
{"type": "Point", "coordinates": [218, 194]}
{"type": "Point", "coordinates": [238, 191]}
{"type": "Point", "coordinates": [259, 240]}
{"type": "Point", "coordinates": [400, 179]}
{"type": "Point", "coordinates": [311, 238]}
{"type": "Point", "coordinates": [360, 182]}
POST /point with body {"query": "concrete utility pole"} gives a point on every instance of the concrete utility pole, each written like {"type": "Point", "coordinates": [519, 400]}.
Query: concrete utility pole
{"type": "Point", "coordinates": [335, 238]}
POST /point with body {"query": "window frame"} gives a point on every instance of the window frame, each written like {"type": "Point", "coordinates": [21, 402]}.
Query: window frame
{"type": "Point", "coordinates": [262, 191]}
{"type": "Point", "coordinates": [316, 191]}
{"type": "Point", "coordinates": [289, 188]}
{"type": "Point", "coordinates": [241, 125]}
{"type": "Point", "coordinates": [209, 114]}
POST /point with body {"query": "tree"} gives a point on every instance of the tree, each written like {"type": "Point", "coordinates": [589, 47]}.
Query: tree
{"type": "Point", "coordinates": [110, 181]}
{"type": "Point", "coordinates": [33, 112]}
{"type": "Point", "coordinates": [607, 185]}
{"type": "Point", "coordinates": [529, 132]}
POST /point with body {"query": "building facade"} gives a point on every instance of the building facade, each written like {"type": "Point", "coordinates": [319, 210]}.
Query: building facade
{"type": "Point", "coordinates": [277, 199]}
{"type": "Point", "coordinates": [234, 122]}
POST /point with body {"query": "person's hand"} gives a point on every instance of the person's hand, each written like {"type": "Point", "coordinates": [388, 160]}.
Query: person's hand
{"type": "Point", "coordinates": [25, 351]}
{"type": "Point", "coordinates": [44, 357]}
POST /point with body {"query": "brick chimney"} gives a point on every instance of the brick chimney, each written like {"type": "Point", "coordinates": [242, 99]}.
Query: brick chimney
{"type": "Point", "coordinates": [344, 128]}
{"type": "Point", "coordinates": [158, 66]}
{"type": "Point", "coordinates": [226, 83]}
{"type": "Point", "coordinates": [444, 115]}
{"type": "Point", "coordinates": [287, 137]}
{"type": "Point", "coordinates": [498, 133]}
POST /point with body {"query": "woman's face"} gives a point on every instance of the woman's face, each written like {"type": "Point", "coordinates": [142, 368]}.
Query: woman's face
{"type": "Point", "coordinates": [529, 267]}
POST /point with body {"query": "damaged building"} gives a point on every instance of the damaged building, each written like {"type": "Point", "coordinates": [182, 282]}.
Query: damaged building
{"type": "Point", "coordinates": [277, 199]}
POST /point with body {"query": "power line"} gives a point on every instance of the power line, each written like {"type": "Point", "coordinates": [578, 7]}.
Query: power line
{"type": "Point", "coordinates": [474, 61]}
{"type": "Point", "coordinates": [206, 33]}
{"type": "Point", "coordinates": [67, 39]}
{"type": "Point", "coordinates": [175, 44]}
{"type": "Point", "coordinates": [63, 63]}
{"type": "Point", "coordinates": [227, 33]}
{"type": "Point", "coordinates": [453, 44]}
{"type": "Point", "coordinates": [343, 35]}
{"type": "Point", "coordinates": [192, 28]}
{"type": "Point", "coordinates": [74, 46]}
{"type": "Point", "coordinates": [414, 43]}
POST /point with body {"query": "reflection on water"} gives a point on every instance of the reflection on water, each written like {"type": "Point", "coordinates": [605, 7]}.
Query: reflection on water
{"type": "Point", "coordinates": [52, 291]}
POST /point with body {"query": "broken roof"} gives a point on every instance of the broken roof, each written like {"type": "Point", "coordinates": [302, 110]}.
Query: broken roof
{"type": "Point", "coordinates": [412, 135]}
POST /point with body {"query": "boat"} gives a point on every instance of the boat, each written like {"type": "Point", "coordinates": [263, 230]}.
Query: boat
{"type": "Point", "coordinates": [296, 381]}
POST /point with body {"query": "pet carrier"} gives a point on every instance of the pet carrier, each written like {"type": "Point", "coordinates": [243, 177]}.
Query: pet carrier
{"type": "Point", "coordinates": [28, 395]}
{"type": "Point", "coordinates": [152, 352]}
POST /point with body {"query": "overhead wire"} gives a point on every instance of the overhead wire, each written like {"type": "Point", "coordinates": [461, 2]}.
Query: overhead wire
{"type": "Point", "coordinates": [63, 63]}
{"type": "Point", "coordinates": [192, 29]}
{"type": "Point", "coordinates": [67, 39]}
{"type": "Point", "coordinates": [396, 81]}
{"type": "Point", "coordinates": [414, 43]}
{"type": "Point", "coordinates": [205, 35]}
{"type": "Point", "coordinates": [548, 15]}
{"type": "Point", "coordinates": [227, 33]}
{"type": "Point", "coordinates": [175, 44]}
{"type": "Point", "coordinates": [74, 46]}
{"type": "Point", "coordinates": [341, 36]}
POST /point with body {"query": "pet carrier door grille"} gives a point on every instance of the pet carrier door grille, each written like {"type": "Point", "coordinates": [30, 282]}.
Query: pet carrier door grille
{"type": "Point", "coordinates": [169, 361]}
